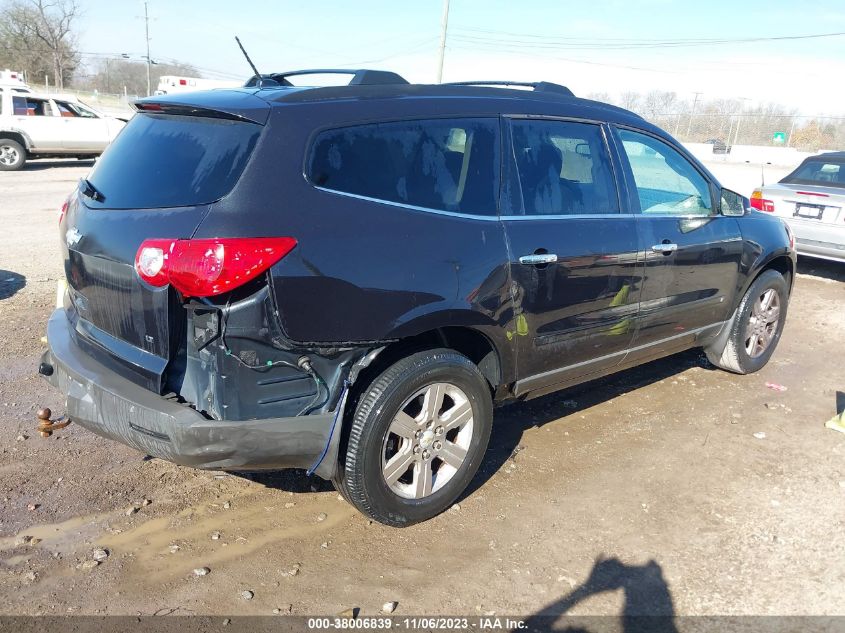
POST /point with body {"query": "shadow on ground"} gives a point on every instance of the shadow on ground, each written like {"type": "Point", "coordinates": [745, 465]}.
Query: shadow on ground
{"type": "Point", "coordinates": [835, 271]}
{"type": "Point", "coordinates": [510, 422]}
{"type": "Point", "coordinates": [40, 165]}
{"type": "Point", "coordinates": [10, 283]}
{"type": "Point", "coordinates": [648, 602]}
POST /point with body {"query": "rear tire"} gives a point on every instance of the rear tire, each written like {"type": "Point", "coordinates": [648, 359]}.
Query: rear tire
{"type": "Point", "coordinates": [12, 155]}
{"type": "Point", "coordinates": [757, 326]}
{"type": "Point", "coordinates": [417, 437]}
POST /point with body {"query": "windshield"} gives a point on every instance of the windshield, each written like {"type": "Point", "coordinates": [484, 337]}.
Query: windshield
{"type": "Point", "coordinates": [163, 160]}
{"type": "Point", "coordinates": [825, 173]}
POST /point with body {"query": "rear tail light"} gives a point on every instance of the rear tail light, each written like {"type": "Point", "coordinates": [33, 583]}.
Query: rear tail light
{"type": "Point", "coordinates": [760, 203]}
{"type": "Point", "coordinates": [208, 267]}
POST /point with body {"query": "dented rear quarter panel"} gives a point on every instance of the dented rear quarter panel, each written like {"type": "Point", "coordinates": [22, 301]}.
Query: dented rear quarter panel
{"type": "Point", "coordinates": [365, 273]}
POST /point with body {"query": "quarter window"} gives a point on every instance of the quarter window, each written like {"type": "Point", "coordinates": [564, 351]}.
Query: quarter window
{"type": "Point", "coordinates": [667, 183]}
{"type": "Point", "coordinates": [564, 168]}
{"type": "Point", "coordinates": [442, 164]}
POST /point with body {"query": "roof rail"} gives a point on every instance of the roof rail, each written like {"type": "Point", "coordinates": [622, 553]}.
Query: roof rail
{"type": "Point", "coordinates": [360, 77]}
{"type": "Point", "coordinates": [538, 86]}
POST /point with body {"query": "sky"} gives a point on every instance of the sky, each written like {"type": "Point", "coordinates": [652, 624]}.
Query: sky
{"type": "Point", "coordinates": [592, 46]}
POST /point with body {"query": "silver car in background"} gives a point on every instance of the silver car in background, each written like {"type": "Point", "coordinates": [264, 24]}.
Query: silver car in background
{"type": "Point", "coordinates": [812, 201]}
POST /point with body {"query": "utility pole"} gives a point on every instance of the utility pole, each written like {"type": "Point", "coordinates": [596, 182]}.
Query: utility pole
{"type": "Point", "coordinates": [692, 114]}
{"type": "Point", "coordinates": [739, 119]}
{"type": "Point", "coordinates": [791, 132]}
{"type": "Point", "coordinates": [444, 23]}
{"type": "Point", "coordinates": [147, 35]}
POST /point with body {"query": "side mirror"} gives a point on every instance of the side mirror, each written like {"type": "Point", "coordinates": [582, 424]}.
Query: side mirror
{"type": "Point", "coordinates": [731, 203]}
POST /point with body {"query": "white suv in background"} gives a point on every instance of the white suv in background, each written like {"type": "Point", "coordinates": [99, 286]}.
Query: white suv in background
{"type": "Point", "coordinates": [38, 126]}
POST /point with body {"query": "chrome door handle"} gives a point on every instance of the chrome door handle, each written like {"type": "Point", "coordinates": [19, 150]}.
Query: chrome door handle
{"type": "Point", "coordinates": [540, 258]}
{"type": "Point", "coordinates": [664, 248]}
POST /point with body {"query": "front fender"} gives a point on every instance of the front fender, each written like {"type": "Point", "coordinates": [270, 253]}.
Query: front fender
{"type": "Point", "coordinates": [765, 240]}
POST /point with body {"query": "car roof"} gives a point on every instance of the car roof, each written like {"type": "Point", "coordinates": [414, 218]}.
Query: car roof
{"type": "Point", "coordinates": [459, 96]}
{"type": "Point", "coordinates": [402, 98]}
{"type": "Point", "coordinates": [837, 157]}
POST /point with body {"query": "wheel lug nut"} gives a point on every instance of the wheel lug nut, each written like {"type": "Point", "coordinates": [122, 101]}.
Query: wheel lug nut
{"type": "Point", "coordinates": [426, 454]}
{"type": "Point", "coordinates": [416, 450]}
{"type": "Point", "coordinates": [417, 434]}
{"type": "Point", "coordinates": [438, 445]}
{"type": "Point", "coordinates": [438, 430]}
{"type": "Point", "coordinates": [428, 425]}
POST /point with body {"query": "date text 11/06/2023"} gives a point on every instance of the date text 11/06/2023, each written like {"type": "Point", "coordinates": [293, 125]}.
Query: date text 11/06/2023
{"type": "Point", "coordinates": [432, 623]}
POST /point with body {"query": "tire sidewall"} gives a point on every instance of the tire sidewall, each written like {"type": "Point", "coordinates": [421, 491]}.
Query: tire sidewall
{"type": "Point", "coordinates": [441, 367]}
{"type": "Point", "coordinates": [21, 155]}
{"type": "Point", "coordinates": [769, 279]}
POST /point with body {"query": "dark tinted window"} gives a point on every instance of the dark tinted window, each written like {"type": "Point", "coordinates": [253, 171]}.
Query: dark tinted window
{"type": "Point", "coordinates": [818, 172]}
{"type": "Point", "coordinates": [173, 161]}
{"type": "Point", "coordinates": [564, 168]}
{"type": "Point", "coordinates": [443, 164]}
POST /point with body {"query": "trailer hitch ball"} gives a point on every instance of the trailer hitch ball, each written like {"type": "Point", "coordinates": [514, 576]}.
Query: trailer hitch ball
{"type": "Point", "coordinates": [46, 425]}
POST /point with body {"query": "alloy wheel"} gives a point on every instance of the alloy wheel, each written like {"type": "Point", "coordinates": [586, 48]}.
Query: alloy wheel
{"type": "Point", "coordinates": [427, 441]}
{"type": "Point", "coordinates": [9, 155]}
{"type": "Point", "coordinates": [763, 323]}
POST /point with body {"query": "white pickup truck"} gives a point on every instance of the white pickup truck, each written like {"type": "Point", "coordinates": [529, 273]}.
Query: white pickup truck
{"type": "Point", "coordinates": [41, 126]}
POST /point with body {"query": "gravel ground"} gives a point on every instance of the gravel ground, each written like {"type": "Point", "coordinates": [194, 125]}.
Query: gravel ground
{"type": "Point", "coordinates": [670, 488]}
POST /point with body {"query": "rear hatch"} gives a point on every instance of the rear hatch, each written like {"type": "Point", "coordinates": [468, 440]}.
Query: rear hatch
{"type": "Point", "coordinates": [820, 205]}
{"type": "Point", "coordinates": [157, 180]}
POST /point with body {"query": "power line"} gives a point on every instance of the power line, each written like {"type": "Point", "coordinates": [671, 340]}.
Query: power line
{"type": "Point", "coordinates": [578, 61]}
{"type": "Point", "coordinates": [593, 43]}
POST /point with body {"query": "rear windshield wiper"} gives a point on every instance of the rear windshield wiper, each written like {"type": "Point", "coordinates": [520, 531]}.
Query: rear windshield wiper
{"type": "Point", "coordinates": [87, 189]}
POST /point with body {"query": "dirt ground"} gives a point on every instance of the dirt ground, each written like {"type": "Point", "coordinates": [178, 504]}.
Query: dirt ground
{"type": "Point", "coordinates": [673, 488]}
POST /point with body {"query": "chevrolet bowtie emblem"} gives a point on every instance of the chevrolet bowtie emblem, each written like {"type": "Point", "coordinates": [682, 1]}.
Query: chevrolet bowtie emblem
{"type": "Point", "coordinates": [72, 237]}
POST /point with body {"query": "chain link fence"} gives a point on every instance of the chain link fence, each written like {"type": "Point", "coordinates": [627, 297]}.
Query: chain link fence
{"type": "Point", "coordinates": [724, 123]}
{"type": "Point", "coordinates": [803, 132]}
{"type": "Point", "coordinates": [107, 103]}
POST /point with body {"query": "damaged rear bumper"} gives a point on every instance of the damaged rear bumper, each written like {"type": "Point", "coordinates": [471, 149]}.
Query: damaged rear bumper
{"type": "Point", "coordinates": [112, 406]}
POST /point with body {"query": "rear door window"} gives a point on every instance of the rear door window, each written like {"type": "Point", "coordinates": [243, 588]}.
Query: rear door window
{"type": "Point", "coordinates": [440, 164]}
{"type": "Point", "coordinates": [30, 106]}
{"type": "Point", "coordinates": [161, 160]}
{"type": "Point", "coordinates": [564, 168]}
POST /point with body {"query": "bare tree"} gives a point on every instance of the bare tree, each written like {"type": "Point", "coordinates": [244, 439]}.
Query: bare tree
{"type": "Point", "coordinates": [629, 100]}
{"type": "Point", "coordinates": [34, 28]}
{"type": "Point", "coordinates": [113, 75]}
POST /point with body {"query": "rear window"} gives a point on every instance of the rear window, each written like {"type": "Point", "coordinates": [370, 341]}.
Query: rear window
{"type": "Point", "coordinates": [818, 172]}
{"type": "Point", "coordinates": [440, 164]}
{"type": "Point", "coordinates": [163, 160]}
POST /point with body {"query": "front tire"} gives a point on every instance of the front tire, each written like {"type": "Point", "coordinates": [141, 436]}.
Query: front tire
{"type": "Point", "coordinates": [757, 326]}
{"type": "Point", "coordinates": [417, 438]}
{"type": "Point", "coordinates": [12, 155]}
